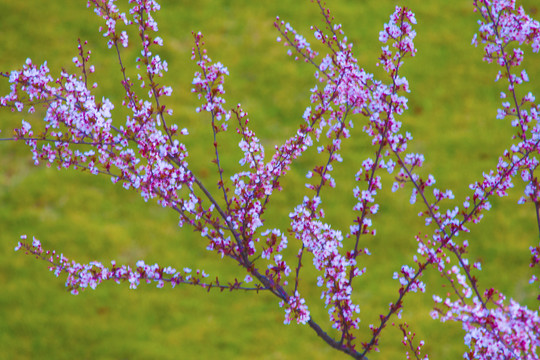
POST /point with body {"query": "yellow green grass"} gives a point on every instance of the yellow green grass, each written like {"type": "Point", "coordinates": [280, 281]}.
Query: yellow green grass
{"type": "Point", "coordinates": [452, 117]}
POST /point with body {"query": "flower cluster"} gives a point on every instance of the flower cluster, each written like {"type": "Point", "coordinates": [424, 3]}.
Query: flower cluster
{"type": "Point", "coordinates": [296, 310]}
{"type": "Point", "coordinates": [507, 331]}
{"type": "Point", "coordinates": [83, 276]}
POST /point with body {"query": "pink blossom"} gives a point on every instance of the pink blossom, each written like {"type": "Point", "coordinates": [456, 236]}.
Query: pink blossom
{"type": "Point", "coordinates": [144, 153]}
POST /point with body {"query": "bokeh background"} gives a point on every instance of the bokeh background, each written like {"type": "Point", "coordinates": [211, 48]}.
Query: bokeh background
{"type": "Point", "coordinates": [452, 118]}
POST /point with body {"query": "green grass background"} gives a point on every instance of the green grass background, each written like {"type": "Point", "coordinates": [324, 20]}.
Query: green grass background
{"type": "Point", "coordinates": [452, 117]}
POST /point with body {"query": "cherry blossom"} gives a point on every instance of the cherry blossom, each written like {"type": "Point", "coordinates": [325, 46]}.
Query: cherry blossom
{"type": "Point", "coordinates": [145, 153]}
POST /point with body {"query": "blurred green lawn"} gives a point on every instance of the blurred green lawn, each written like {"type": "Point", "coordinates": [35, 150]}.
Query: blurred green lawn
{"type": "Point", "coordinates": [452, 117]}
